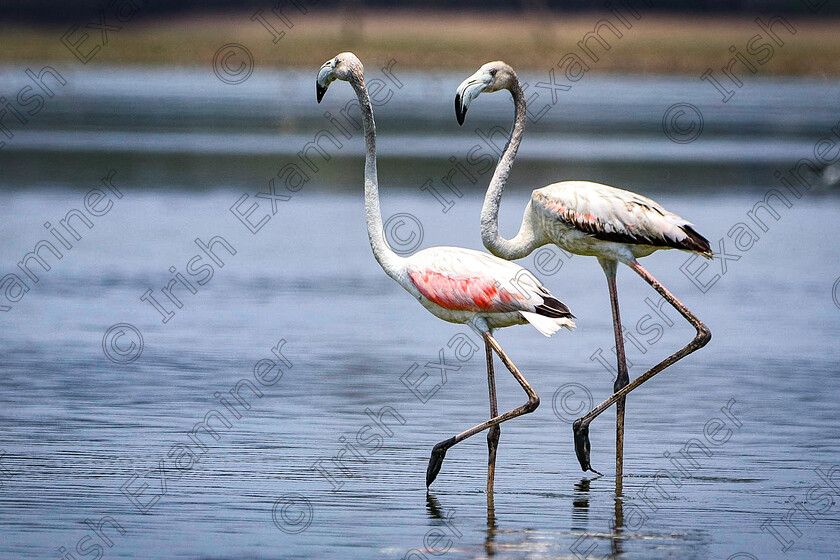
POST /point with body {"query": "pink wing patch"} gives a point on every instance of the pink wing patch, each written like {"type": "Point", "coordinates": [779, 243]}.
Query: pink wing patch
{"type": "Point", "coordinates": [569, 214]}
{"type": "Point", "coordinates": [465, 293]}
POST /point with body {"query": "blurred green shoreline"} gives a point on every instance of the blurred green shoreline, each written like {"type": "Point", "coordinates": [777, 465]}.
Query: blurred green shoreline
{"type": "Point", "coordinates": [651, 43]}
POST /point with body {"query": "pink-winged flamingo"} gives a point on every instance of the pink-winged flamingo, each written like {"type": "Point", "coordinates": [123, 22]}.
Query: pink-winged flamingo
{"type": "Point", "coordinates": [584, 218]}
{"type": "Point", "coordinates": [454, 284]}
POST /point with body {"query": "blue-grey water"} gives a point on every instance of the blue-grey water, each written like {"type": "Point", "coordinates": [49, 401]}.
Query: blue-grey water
{"type": "Point", "coordinates": [301, 469]}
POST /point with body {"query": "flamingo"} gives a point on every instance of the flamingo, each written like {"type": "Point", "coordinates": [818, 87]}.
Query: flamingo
{"type": "Point", "coordinates": [585, 218]}
{"type": "Point", "coordinates": [454, 284]}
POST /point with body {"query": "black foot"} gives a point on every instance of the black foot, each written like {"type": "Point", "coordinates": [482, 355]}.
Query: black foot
{"type": "Point", "coordinates": [436, 460]}
{"type": "Point", "coordinates": [582, 445]}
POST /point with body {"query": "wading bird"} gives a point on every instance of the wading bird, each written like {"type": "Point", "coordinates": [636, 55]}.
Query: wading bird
{"type": "Point", "coordinates": [585, 218]}
{"type": "Point", "coordinates": [454, 284]}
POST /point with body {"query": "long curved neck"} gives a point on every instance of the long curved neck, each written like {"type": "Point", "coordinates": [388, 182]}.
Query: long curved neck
{"type": "Point", "coordinates": [525, 241]}
{"type": "Point", "coordinates": [385, 256]}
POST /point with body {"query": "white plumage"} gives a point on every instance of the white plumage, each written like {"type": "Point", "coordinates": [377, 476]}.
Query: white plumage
{"type": "Point", "coordinates": [584, 218]}
{"type": "Point", "coordinates": [462, 285]}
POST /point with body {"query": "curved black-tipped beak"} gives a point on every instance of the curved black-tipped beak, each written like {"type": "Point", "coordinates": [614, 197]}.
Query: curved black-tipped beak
{"type": "Point", "coordinates": [322, 82]}
{"type": "Point", "coordinates": [460, 109]}
{"type": "Point", "coordinates": [582, 445]}
{"type": "Point", "coordinates": [469, 90]}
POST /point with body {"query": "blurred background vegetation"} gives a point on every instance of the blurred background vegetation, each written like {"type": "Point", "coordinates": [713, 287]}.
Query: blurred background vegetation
{"type": "Point", "coordinates": [669, 37]}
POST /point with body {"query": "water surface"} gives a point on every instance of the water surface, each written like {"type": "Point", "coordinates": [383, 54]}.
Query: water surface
{"type": "Point", "coordinates": [75, 427]}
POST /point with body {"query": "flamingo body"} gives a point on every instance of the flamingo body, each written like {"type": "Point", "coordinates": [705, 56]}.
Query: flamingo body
{"type": "Point", "coordinates": [461, 285]}
{"type": "Point", "coordinates": [597, 220]}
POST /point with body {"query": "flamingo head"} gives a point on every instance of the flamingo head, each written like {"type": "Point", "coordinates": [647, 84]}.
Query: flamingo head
{"type": "Point", "coordinates": [341, 67]}
{"type": "Point", "coordinates": [491, 77]}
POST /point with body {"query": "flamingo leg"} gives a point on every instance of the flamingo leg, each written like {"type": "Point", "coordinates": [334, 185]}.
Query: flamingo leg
{"type": "Point", "coordinates": [495, 432]}
{"type": "Point", "coordinates": [581, 425]}
{"type": "Point", "coordinates": [622, 377]}
{"type": "Point", "coordinates": [439, 450]}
